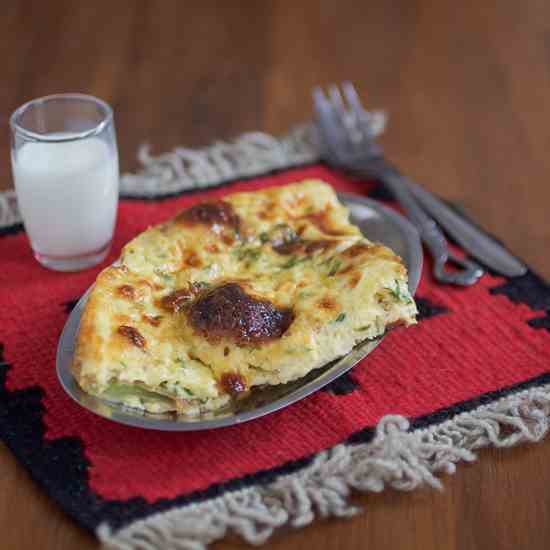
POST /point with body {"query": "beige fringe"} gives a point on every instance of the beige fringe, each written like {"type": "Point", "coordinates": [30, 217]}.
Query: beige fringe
{"type": "Point", "coordinates": [251, 154]}
{"type": "Point", "coordinates": [396, 458]}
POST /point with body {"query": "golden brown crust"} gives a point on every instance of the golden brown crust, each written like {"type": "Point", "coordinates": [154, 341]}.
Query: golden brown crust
{"type": "Point", "coordinates": [88, 342]}
{"type": "Point", "coordinates": [297, 280]}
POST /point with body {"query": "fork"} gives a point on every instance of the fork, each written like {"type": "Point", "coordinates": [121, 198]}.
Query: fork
{"type": "Point", "coordinates": [346, 141]}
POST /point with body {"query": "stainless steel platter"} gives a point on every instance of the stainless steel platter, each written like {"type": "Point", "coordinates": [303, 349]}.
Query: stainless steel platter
{"type": "Point", "coordinates": [376, 222]}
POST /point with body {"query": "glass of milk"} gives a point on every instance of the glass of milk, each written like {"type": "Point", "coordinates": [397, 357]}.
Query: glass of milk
{"type": "Point", "coordinates": [65, 168]}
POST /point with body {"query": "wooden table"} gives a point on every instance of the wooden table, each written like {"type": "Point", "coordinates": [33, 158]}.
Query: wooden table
{"type": "Point", "coordinates": [467, 90]}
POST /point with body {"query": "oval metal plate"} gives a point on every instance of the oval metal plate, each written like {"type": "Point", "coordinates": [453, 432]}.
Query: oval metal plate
{"type": "Point", "coordinates": [376, 222]}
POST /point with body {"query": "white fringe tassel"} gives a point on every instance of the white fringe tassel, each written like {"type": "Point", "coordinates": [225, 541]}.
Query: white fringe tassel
{"type": "Point", "coordinates": [396, 458]}
{"type": "Point", "coordinates": [250, 154]}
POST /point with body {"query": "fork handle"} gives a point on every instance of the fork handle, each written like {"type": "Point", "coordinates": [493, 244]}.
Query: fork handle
{"type": "Point", "coordinates": [428, 229]}
{"type": "Point", "coordinates": [467, 235]}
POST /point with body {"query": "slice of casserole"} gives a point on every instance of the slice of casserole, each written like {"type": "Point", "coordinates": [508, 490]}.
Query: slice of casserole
{"type": "Point", "coordinates": [256, 288]}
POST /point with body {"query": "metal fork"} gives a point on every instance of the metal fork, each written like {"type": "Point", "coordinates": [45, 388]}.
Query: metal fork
{"type": "Point", "coordinates": [346, 141]}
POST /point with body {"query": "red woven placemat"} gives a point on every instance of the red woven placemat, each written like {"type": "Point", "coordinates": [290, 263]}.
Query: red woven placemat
{"type": "Point", "coordinates": [473, 349]}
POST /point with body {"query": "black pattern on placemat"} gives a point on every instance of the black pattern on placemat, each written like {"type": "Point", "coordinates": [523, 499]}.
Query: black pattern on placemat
{"type": "Point", "coordinates": [428, 309]}
{"type": "Point", "coordinates": [532, 291]}
{"type": "Point", "coordinates": [11, 229]}
{"type": "Point", "coordinates": [528, 289]}
{"type": "Point", "coordinates": [69, 305]}
{"type": "Point", "coordinates": [540, 322]}
{"type": "Point", "coordinates": [61, 468]}
{"type": "Point", "coordinates": [343, 385]}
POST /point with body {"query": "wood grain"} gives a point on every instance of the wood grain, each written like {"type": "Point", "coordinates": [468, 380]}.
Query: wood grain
{"type": "Point", "coordinates": [466, 86]}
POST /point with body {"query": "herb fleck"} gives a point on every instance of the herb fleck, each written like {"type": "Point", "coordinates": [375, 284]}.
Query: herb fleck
{"type": "Point", "coordinates": [294, 261]}
{"type": "Point", "coordinates": [294, 350]}
{"type": "Point", "coordinates": [162, 274]}
{"type": "Point", "coordinates": [362, 329]}
{"type": "Point", "coordinates": [336, 264]}
{"type": "Point", "coordinates": [340, 318]}
{"type": "Point", "coordinates": [247, 255]}
{"type": "Point", "coordinates": [286, 233]}
{"type": "Point", "coordinates": [398, 294]}
{"type": "Point", "coordinates": [201, 285]}
{"type": "Point", "coordinates": [181, 362]}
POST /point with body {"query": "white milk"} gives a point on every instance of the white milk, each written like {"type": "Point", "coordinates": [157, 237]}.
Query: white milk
{"type": "Point", "coordinates": [67, 193]}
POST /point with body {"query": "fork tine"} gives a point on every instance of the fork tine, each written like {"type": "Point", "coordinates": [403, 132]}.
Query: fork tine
{"type": "Point", "coordinates": [350, 115]}
{"type": "Point", "coordinates": [318, 95]}
{"type": "Point", "coordinates": [361, 117]}
{"type": "Point", "coordinates": [347, 117]}
{"type": "Point", "coordinates": [353, 99]}
{"type": "Point", "coordinates": [336, 100]}
{"type": "Point", "coordinates": [323, 107]}
{"type": "Point", "coordinates": [333, 131]}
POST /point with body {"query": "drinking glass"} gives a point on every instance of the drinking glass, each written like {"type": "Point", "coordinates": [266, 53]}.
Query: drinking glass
{"type": "Point", "coordinates": [65, 168]}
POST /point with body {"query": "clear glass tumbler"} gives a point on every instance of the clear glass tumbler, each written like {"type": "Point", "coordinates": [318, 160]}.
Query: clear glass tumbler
{"type": "Point", "coordinates": [65, 169]}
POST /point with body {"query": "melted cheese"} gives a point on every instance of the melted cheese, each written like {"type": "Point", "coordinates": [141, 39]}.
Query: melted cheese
{"type": "Point", "coordinates": [293, 246]}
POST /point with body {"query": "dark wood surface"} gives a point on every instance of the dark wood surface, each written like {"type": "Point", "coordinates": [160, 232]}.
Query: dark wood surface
{"type": "Point", "coordinates": [467, 87]}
